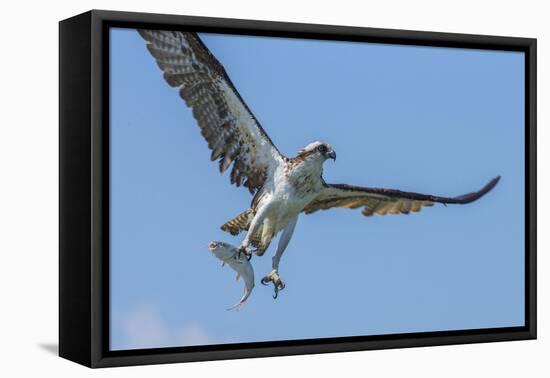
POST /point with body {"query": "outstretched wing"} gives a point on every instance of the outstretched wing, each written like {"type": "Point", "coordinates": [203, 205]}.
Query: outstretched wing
{"type": "Point", "coordinates": [233, 133]}
{"type": "Point", "coordinates": [385, 201]}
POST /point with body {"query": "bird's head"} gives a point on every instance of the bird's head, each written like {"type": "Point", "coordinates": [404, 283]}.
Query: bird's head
{"type": "Point", "coordinates": [318, 151]}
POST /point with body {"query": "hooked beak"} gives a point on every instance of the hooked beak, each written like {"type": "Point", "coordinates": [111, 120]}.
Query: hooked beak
{"type": "Point", "coordinates": [331, 155]}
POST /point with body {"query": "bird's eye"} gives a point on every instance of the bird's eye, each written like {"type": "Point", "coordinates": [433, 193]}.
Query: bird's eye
{"type": "Point", "coordinates": [322, 148]}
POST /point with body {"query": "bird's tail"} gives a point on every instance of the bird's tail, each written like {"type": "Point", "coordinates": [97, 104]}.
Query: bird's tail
{"type": "Point", "coordinates": [239, 223]}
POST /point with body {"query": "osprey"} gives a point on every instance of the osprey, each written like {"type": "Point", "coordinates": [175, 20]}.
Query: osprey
{"type": "Point", "coordinates": [282, 187]}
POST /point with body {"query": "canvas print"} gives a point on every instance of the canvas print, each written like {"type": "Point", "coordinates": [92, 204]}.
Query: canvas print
{"type": "Point", "coordinates": [233, 221]}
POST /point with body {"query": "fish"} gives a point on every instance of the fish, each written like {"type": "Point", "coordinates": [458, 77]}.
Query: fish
{"type": "Point", "coordinates": [229, 254]}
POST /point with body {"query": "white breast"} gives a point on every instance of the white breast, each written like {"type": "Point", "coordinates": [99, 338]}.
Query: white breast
{"type": "Point", "coordinates": [285, 198]}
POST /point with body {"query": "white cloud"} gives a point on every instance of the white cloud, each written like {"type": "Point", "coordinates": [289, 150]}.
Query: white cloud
{"type": "Point", "coordinates": [194, 334]}
{"type": "Point", "coordinates": [144, 327]}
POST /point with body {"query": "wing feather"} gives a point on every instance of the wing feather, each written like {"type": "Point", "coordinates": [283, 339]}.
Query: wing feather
{"type": "Point", "coordinates": [231, 130]}
{"type": "Point", "coordinates": [385, 201]}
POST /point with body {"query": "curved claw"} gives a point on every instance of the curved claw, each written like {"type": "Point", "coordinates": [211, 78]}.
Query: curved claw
{"type": "Point", "coordinates": [244, 251]}
{"type": "Point", "coordinates": [278, 284]}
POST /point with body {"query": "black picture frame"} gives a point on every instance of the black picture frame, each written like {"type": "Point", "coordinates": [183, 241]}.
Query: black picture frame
{"type": "Point", "coordinates": [84, 189]}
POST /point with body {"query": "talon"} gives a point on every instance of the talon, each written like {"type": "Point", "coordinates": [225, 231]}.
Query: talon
{"type": "Point", "coordinates": [244, 251]}
{"type": "Point", "coordinates": [278, 284]}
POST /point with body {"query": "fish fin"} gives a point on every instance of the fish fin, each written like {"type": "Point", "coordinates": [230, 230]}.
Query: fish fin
{"type": "Point", "coordinates": [238, 276]}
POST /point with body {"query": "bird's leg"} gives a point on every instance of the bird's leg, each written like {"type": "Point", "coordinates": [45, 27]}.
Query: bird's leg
{"type": "Point", "coordinates": [252, 229]}
{"type": "Point", "coordinates": [278, 283]}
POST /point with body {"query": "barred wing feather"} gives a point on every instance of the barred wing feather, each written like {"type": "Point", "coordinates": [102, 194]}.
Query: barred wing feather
{"type": "Point", "coordinates": [233, 133]}
{"type": "Point", "coordinates": [385, 201]}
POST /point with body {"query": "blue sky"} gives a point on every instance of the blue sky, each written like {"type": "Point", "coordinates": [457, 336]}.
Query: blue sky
{"type": "Point", "coordinates": [433, 120]}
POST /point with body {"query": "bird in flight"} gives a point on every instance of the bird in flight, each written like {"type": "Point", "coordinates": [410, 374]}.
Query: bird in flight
{"type": "Point", "coordinates": [282, 187]}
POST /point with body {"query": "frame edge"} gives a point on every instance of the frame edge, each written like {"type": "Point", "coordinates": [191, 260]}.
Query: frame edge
{"type": "Point", "coordinates": [74, 189]}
